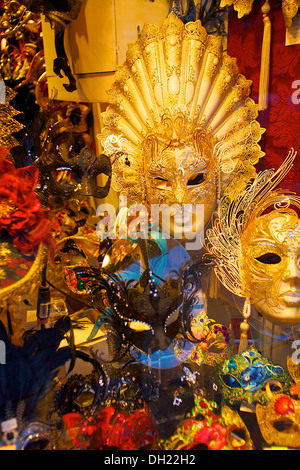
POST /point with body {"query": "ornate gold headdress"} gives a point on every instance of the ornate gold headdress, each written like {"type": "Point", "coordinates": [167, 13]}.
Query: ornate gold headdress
{"type": "Point", "coordinates": [175, 79]}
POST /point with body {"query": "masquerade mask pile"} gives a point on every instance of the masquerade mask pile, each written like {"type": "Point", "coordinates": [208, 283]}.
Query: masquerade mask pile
{"type": "Point", "coordinates": [180, 115]}
{"type": "Point", "coordinates": [255, 240]}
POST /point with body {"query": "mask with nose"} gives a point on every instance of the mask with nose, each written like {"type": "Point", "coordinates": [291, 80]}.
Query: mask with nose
{"type": "Point", "coordinates": [180, 125]}
{"type": "Point", "coordinates": [270, 248]}
{"type": "Point", "coordinates": [257, 242]}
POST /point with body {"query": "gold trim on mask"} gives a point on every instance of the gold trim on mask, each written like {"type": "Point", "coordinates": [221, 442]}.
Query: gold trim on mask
{"type": "Point", "coordinates": [175, 85]}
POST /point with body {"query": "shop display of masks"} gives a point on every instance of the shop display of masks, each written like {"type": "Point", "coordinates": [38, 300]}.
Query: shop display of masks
{"type": "Point", "coordinates": [111, 342]}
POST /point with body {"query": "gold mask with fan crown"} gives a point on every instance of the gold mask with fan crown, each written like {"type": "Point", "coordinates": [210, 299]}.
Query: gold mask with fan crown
{"type": "Point", "coordinates": [180, 124]}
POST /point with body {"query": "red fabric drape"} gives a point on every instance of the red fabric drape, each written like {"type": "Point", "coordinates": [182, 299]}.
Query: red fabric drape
{"type": "Point", "coordinates": [282, 118]}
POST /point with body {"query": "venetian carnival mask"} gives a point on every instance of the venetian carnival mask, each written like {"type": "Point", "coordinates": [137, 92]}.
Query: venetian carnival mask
{"type": "Point", "coordinates": [178, 123]}
{"type": "Point", "coordinates": [29, 375]}
{"type": "Point", "coordinates": [70, 171]}
{"type": "Point", "coordinates": [279, 419]}
{"type": "Point", "coordinates": [243, 378]}
{"type": "Point", "coordinates": [270, 248]}
{"type": "Point", "coordinates": [210, 427]}
{"type": "Point", "coordinates": [145, 301]}
{"type": "Point", "coordinates": [255, 239]}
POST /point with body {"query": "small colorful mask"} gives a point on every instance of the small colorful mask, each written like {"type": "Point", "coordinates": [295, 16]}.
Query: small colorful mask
{"type": "Point", "coordinates": [279, 419]}
{"type": "Point", "coordinates": [210, 428]}
{"type": "Point", "coordinates": [113, 429]}
{"type": "Point", "coordinates": [243, 378]}
{"type": "Point", "coordinates": [179, 122]}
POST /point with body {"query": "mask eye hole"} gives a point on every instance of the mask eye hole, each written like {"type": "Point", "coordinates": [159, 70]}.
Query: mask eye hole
{"type": "Point", "coordinates": [161, 182]}
{"type": "Point", "coordinates": [196, 179]}
{"type": "Point", "coordinates": [138, 326]}
{"type": "Point", "coordinates": [231, 381]}
{"type": "Point", "coordinates": [238, 438]}
{"type": "Point", "coordinates": [269, 258]}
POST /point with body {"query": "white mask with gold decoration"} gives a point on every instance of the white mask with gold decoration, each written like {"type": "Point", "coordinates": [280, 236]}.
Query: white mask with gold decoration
{"type": "Point", "coordinates": [180, 124]}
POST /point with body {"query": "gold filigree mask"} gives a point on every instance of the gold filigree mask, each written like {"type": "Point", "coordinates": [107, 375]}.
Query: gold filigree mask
{"type": "Point", "coordinates": [270, 265]}
{"type": "Point", "coordinates": [255, 240]}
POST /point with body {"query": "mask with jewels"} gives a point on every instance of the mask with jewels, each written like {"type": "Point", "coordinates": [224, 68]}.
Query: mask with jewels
{"type": "Point", "coordinates": [214, 341]}
{"type": "Point", "coordinates": [143, 313]}
{"type": "Point", "coordinates": [210, 428]}
{"type": "Point", "coordinates": [180, 114]}
{"type": "Point", "coordinates": [279, 419]}
{"type": "Point", "coordinates": [243, 378]}
{"type": "Point", "coordinates": [81, 394]}
{"type": "Point", "coordinates": [69, 169]}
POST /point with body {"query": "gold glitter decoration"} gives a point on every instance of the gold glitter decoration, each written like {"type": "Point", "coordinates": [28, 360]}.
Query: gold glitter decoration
{"type": "Point", "coordinates": [7, 208]}
{"type": "Point", "coordinates": [8, 124]}
{"type": "Point", "coordinates": [279, 420]}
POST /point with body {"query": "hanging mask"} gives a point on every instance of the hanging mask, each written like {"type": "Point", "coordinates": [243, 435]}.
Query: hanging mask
{"type": "Point", "coordinates": [270, 248]}
{"type": "Point", "coordinates": [179, 122]}
{"type": "Point", "coordinates": [243, 378]}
